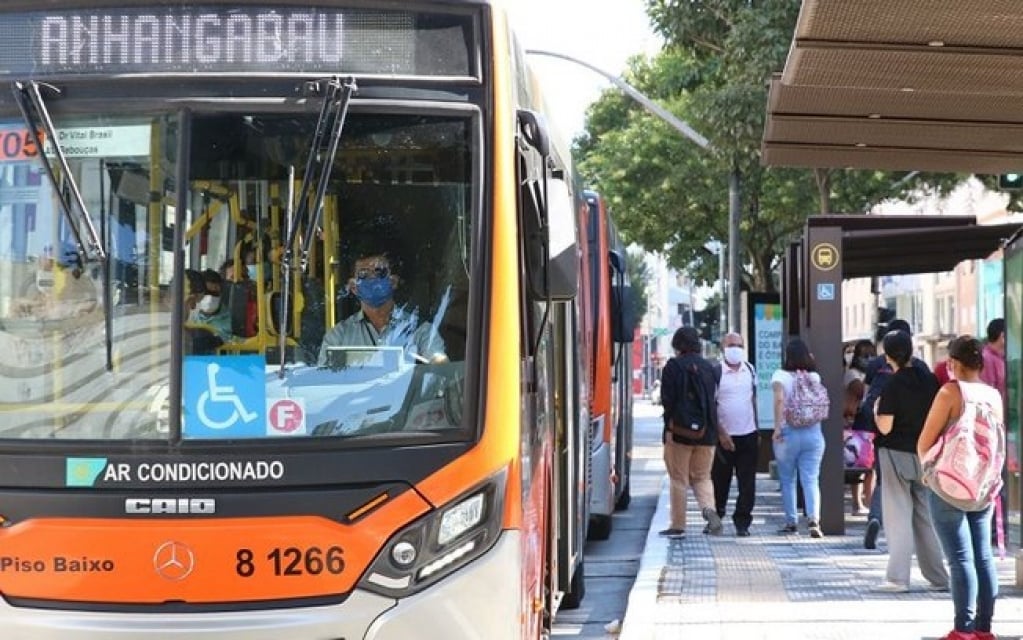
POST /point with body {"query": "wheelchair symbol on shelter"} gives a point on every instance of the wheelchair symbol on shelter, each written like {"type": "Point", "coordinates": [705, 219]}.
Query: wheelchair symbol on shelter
{"type": "Point", "coordinates": [221, 394]}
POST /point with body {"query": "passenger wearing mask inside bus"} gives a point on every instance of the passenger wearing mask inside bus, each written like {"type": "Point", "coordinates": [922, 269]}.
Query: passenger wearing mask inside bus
{"type": "Point", "coordinates": [379, 321]}
{"type": "Point", "coordinates": [208, 312]}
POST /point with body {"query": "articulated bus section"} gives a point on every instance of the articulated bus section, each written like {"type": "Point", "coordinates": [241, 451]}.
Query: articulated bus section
{"type": "Point", "coordinates": [608, 308]}
{"type": "Point", "coordinates": [291, 325]}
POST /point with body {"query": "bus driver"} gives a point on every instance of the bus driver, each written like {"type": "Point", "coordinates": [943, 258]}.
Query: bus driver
{"type": "Point", "coordinates": [379, 322]}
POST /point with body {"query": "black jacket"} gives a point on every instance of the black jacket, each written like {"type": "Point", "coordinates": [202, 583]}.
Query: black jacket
{"type": "Point", "coordinates": [671, 388]}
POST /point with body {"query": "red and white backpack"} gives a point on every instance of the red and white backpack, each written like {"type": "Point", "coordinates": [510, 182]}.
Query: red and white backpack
{"type": "Point", "coordinates": [964, 466]}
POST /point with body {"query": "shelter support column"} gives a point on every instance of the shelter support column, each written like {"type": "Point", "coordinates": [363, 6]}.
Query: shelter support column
{"type": "Point", "coordinates": [822, 330]}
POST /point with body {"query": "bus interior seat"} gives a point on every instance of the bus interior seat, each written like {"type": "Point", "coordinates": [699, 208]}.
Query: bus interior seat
{"type": "Point", "coordinates": [243, 313]}
{"type": "Point", "coordinates": [201, 341]}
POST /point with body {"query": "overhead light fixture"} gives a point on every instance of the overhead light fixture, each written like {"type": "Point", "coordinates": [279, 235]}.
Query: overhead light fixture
{"type": "Point", "coordinates": [874, 116]}
{"type": "Point", "coordinates": [936, 43]}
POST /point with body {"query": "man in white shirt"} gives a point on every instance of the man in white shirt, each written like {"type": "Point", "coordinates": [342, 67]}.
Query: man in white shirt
{"type": "Point", "coordinates": [738, 441]}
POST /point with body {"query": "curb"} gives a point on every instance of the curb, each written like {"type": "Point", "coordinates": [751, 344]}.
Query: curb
{"type": "Point", "coordinates": [641, 611]}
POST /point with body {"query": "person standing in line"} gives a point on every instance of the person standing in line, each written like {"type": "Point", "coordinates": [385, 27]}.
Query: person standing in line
{"type": "Point", "coordinates": [688, 461]}
{"type": "Point", "coordinates": [738, 440]}
{"type": "Point", "coordinates": [993, 374]}
{"type": "Point", "coordinates": [900, 413]}
{"type": "Point", "coordinates": [797, 450]}
{"type": "Point", "coordinates": [856, 358]}
{"type": "Point", "coordinates": [879, 372]}
{"type": "Point", "coordinates": [964, 535]}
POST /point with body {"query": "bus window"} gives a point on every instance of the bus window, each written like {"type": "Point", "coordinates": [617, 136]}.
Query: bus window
{"type": "Point", "coordinates": [86, 347]}
{"type": "Point", "coordinates": [399, 188]}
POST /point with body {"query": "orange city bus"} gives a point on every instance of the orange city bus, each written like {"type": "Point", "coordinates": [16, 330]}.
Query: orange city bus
{"type": "Point", "coordinates": [188, 196]}
{"type": "Point", "coordinates": [608, 308]}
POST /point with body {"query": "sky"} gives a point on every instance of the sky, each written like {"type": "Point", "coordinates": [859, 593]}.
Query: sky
{"type": "Point", "coordinates": [603, 33]}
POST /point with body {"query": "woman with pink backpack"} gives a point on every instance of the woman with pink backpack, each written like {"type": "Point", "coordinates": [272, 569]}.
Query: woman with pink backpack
{"type": "Point", "coordinates": [962, 447]}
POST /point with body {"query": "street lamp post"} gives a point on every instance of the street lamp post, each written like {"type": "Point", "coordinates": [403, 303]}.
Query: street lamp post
{"type": "Point", "coordinates": [734, 201]}
{"type": "Point", "coordinates": [633, 93]}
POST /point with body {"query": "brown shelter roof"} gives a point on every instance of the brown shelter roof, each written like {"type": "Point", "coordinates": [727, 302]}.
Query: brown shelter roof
{"type": "Point", "coordinates": [884, 245]}
{"type": "Point", "coordinates": [928, 85]}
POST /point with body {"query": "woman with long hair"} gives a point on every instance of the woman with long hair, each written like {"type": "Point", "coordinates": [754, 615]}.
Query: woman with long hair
{"type": "Point", "coordinates": [798, 451]}
{"type": "Point", "coordinates": [965, 536]}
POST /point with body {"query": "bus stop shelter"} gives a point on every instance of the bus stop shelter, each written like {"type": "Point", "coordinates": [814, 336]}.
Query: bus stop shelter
{"type": "Point", "coordinates": [836, 247]}
{"type": "Point", "coordinates": [918, 85]}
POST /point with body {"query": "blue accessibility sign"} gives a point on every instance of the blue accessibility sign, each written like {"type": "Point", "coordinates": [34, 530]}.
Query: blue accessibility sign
{"type": "Point", "coordinates": [225, 397]}
{"type": "Point", "coordinates": [826, 291]}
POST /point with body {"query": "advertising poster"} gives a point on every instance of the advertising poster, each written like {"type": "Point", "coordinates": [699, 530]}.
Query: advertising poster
{"type": "Point", "coordinates": [766, 343]}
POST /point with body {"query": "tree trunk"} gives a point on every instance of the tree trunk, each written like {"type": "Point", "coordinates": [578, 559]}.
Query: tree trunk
{"type": "Point", "coordinates": [823, 177]}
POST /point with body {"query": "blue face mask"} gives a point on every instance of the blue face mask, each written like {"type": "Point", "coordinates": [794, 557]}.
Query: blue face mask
{"type": "Point", "coordinates": [374, 291]}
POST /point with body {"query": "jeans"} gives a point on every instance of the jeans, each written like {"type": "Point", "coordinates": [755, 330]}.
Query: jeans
{"type": "Point", "coordinates": [799, 452]}
{"type": "Point", "coordinates": [965, 538]}
{"type": "Point", "coordinates": [743, 461]}
{"type": "Point", "coordinates": [875, 498]}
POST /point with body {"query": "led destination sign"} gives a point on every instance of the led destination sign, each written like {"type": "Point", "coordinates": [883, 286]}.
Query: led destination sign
{"type": "Point", "coordinates": [235, 40]}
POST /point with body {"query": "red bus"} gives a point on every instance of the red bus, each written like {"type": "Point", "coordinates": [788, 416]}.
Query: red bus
{"type": "Point", "coordinates": [609, 308]}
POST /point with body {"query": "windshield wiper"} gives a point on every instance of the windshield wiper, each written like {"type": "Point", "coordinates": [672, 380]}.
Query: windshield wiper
{"type": "Point", "coordinates": [35, 114]}
{"type": "Point", "coordinates": [319, 164]}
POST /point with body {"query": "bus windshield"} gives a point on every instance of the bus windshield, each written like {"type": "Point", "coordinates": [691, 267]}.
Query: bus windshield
{"type": "Point", "coordinates": [363, 335]}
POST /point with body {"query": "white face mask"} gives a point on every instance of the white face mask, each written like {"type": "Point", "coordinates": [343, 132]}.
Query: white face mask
{"type": "Point", "coordinates": [734, 355]}
{"type": "Point", "coordinates": [848, 358]}
{"type": "Point", "coordinates": [209, 304]}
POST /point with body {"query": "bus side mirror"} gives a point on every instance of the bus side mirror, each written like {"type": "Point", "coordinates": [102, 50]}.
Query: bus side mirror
{"type": "Point", "coordinates": [623, 316]}
{"type": "Point", "coordinates": [557, 277]}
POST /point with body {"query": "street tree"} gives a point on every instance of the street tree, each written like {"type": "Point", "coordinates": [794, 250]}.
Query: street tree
{"type": "Point", "coordinates": [671, 196]}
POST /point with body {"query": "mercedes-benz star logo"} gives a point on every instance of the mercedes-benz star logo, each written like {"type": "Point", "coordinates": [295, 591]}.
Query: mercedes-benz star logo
{"type": "Point", "coordinates": [174, 561]}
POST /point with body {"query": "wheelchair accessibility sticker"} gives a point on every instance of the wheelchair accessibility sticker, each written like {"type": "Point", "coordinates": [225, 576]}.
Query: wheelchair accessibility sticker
{"type": "Point", "coordinates": [225, 397]}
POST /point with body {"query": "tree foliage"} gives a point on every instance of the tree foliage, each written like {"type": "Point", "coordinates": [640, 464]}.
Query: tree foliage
{"type": "Point", "coordinates": [638, 274]}
{"type": "Point", "coordinates": [670, 195]}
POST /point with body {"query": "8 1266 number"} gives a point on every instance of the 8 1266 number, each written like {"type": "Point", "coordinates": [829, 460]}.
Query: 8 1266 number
{"type": "Point", "coordinates": [292, 561]}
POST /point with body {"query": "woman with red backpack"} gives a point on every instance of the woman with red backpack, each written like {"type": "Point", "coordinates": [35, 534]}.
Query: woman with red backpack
{"type": "Point", "coordinates": [965, 534]}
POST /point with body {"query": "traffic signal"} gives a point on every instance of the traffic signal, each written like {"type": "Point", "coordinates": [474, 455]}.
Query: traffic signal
{"type": "Point", "coordinates": [1010, 181]}
{"type": "Point", "coordinates": [884, 316]}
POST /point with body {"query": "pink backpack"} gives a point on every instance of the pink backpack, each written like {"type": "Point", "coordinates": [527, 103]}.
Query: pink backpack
{"type": "Point", "coordinates": [808, 402]}
{"type": "Point", "coordinates": [964, 466]}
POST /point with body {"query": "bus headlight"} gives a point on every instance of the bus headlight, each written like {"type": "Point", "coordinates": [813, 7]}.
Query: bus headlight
{"type": "Point", "coordinates": [439, 543]}
{"type": "Point", "coordinates": [460, 518]}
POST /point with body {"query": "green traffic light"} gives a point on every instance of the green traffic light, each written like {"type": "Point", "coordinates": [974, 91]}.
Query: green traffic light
{"type": "Point", "coordinates": [1010, 181]}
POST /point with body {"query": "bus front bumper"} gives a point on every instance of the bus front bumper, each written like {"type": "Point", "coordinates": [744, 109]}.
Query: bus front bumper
{"type": "Point", "coordinates": [480, 601]}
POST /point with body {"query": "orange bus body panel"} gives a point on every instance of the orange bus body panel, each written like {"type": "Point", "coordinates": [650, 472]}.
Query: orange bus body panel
{"type": "Point", "coordinates": [601, 393]}
{"type": "Point", "coordinates": [209, 552]}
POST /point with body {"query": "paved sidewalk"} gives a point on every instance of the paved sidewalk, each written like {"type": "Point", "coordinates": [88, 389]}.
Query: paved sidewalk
{"type": "Point", "coordinates": [770, 586]}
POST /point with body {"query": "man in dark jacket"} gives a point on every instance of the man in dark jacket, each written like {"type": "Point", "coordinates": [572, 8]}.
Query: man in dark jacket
{"type": "Point", "coordinates": [690, 431]}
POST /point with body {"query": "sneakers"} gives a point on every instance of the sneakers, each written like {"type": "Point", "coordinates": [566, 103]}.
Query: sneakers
{"type": "Point", "coordinates": [672, 533]}
{"type": "Point", "coordinates": [870, 537]}
{"type": "Point", "coordinates": [741, 532]}
{"type": "Point", "coordinates": [891, 587]}
{"type": "Point", "coordinates": [939, 588]}
{"type": "Point", "coordinates": [713, 521]}
{"type": "Point", "coordinates": [789, 528]}
{"type": "Point", "coordinates": [815, 529]}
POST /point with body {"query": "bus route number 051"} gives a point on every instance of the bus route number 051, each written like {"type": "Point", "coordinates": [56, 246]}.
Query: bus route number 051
{"type": "Point", "coordinates": [292, 561]}
{"type": "Point", "coordinates": [17, 144]}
